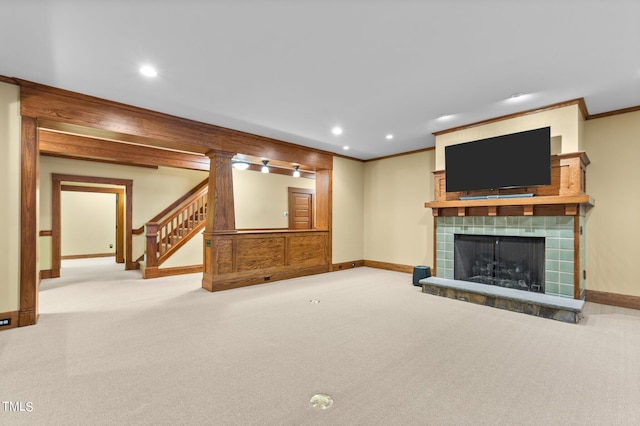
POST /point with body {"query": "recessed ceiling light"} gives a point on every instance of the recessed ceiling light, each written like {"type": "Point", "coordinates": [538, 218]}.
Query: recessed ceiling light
{"type": "Point", "coordinates": [148, 71]}
{"type": "Point", "coordinates": [337, 130]}
{"type": "Point", "coordinates": [345, 147]}
{"type": "Point", "coordinates": [445, 116]}
{"type": "Point", "coordinates": [516, 95]}
{"type": "Point", "coordinates": [389, 136]}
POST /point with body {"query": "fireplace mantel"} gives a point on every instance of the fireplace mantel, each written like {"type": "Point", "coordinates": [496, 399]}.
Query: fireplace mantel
{"type": "Point", "coordinates": [561, 205]}
{"type": "Point", "coordinates": [565, 196]}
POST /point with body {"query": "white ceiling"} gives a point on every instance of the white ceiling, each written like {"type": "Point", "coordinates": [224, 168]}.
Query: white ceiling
{"type": "Point", "coordinates": [292, 70]}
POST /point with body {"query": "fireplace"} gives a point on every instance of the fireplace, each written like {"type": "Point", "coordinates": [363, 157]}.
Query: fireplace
{"type": "Point", "coordinates": [558, 277]}
{"type": "Point", "coordinates": [504, 261]}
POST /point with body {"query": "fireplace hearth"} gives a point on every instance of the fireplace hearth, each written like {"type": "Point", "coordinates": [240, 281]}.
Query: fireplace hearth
{"type": "Point", "coordinates": [504, 261]}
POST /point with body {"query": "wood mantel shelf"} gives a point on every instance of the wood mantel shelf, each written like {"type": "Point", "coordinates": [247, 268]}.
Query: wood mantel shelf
{"type": "Point", "coordinates": [525, 206]}
{"type": "Point", "coordinates": [565, 196]}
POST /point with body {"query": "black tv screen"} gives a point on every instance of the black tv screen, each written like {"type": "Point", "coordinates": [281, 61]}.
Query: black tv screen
{"type": "Point", "coordinates": [516, 160]}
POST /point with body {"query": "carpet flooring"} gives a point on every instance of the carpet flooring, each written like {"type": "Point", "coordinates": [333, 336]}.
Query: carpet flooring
{"type": "Point", "coordinates": [113, 349]}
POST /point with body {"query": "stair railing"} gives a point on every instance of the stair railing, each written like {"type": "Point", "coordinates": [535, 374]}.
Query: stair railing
{"type": "Point", "coordinates": [165, 236]}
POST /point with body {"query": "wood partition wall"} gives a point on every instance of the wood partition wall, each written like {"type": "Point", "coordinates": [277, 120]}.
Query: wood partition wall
{"type": "Point", "coordinates": [78, 126]}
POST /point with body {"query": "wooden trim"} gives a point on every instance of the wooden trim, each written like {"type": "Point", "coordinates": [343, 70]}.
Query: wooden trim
{"type": "Point", "coordinates": [56, 225]}
{"type": "Point", "coordinates": [87, 256]}
{"type": "Point", "coordinates": [435, 245]}
{"type": "Point", "coordinates": [46, 273]}
{"type": "Point", "coordinates": [346, 157]}
{"type": "Point", "coordinates": [524, 201]}
{"type": "Point", "coordinates": [389, 266]}
{"type": "Point", "coordinates": [240, 230]}
{"type": "Point", "coordinates": [120, 214]}
{"type": "Point", "coordinates": [284, 274]}
{"type": "Point", "coordinates": [177, 270]}
{"type": "Point", "coordinates": [347, 265]}
{"type": "Point", "coordinates": [84, 147]}
{"type": "Point", "coordinates": [9, 80]}
{"type": "Point", "coordinates": [29, 242]}
{"type": "Point", "coordinates": [417, 151]}
{"type": "Point", "coordinates": [98, 160]}
{"type": "Point", "coordinates": [98, 189]}
{"type": "Point", "coordinates": [46, 233]}
{"type": "Point", "coordinates": [580, 102]}
{"type": "Point", "coordinates": [611, 113]}
{"type": "Point", "coordinates": [613, 299]}
{"type": "Point", "coordinates": [13, 318]}
{"type": "Point", "coordinates": [576, 256]}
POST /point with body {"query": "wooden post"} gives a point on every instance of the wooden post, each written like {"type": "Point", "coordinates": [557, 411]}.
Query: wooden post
{"type": "Point", "coordinates": [221, 217]}
{"type": "Point", "coordinates": [29, 241]}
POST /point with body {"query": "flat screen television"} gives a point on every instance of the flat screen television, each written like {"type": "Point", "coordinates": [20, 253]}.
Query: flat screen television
{"type": "Point", "coordinates": [509, 161]}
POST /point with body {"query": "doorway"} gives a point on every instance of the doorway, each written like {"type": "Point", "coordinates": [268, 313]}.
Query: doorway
{"type": "Point", "coordinates": [124, 215]}
{"type": "Point", "coordinates": [92, 219]}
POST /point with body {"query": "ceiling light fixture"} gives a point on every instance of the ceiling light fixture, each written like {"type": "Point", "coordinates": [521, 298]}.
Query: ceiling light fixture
{"type": "Point", "coordinates": [240, 165]}
{"type": "Point", "coordinates": [516, 95]}
{"type": "Point", "coordinates": [265, 169]}
{"type": "Point", "coordinates": [337, 130]}
{"type": "Point", "coordinates": [389, 136]}
{"type": "Point", "coordinates": [148, 71]}
{"type": "Point", "coordinates": [346, 148]}
{"type": "Point", "coordinates": [296, 172]}
{"type": "Point", "coordinates": [445, 116]}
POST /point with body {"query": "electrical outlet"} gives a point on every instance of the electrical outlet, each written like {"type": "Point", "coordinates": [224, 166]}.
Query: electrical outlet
{"type": "Point", "coordinates": [267, 277]}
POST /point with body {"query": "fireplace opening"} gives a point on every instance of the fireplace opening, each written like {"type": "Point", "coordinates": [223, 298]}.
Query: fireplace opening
{"type": "Point", "coordinates": [505, 261]}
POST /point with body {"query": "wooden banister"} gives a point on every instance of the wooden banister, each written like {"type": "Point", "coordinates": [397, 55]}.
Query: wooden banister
{"type": "Point", "coordinates": [166, 236]}
{"type": "Point", "coordinates": [195, 192]}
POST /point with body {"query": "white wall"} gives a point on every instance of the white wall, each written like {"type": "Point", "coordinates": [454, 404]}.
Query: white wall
{"type": "Point", "coordinates": [88, 223]}
{"type": "Point", "coordinates": [10, 123]}
{"type": "Point", "coordinates": [397, 227]}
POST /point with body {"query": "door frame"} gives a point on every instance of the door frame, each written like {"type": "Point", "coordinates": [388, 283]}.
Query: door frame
{"type": "Point", "coordinates": [56, 222]}
{"type": "Point", "coordinates": [120, 207]}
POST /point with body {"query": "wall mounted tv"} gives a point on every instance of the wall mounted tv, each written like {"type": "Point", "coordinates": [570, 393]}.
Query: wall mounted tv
{"type": "Point", "coordinates": [515, 160]}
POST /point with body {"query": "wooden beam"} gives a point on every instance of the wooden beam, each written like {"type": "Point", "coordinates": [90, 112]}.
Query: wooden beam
{"type": "Point", "coordinates": [79, 114]}
{"type": "Point", "coordinates": [83, 147]}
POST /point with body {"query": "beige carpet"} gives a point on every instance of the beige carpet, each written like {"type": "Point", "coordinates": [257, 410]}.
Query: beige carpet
{"type": "Point", "coordinates": [111, 348]}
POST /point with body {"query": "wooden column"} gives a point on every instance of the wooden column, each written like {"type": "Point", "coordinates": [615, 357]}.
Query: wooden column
{"type": "Point", "coordinates": [29, 242]}
{"type": "Point", "coordinates": [324, 206]}
{"type": "Point", "coordinates": [221, 217]}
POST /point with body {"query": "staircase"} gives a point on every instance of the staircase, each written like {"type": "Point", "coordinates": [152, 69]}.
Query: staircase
{"type": "Point", "coordinates": [173, 227]}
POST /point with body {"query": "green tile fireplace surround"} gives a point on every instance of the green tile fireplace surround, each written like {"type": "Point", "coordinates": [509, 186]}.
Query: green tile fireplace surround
{"type": "Point", "coordinates": [558, 232]}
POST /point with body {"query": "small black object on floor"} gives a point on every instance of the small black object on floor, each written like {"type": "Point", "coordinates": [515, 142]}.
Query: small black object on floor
{"type": "Point", "coordinates": [419, 273]}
